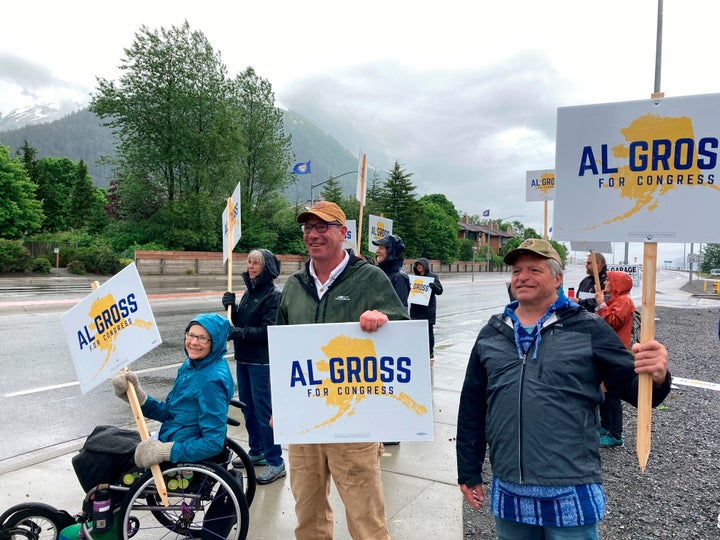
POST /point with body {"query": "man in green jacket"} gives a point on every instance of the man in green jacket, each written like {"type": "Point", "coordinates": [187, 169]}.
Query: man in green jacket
{"type": "Point", "coordinates": [335, 287]}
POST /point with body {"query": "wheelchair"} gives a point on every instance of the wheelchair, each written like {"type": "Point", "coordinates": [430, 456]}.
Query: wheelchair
{"type": "Point", "coordinates": [207, 500]}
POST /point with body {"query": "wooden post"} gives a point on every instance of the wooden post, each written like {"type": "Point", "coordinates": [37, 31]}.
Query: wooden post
{"type": "Point", "coordinates": [647, 333]}
{"type": "Point", "coordinates": [231, 222]}
{"type": "Point", "coordinates": [596, 273]}
{"type": "Point", "coordinates": [144, 433]}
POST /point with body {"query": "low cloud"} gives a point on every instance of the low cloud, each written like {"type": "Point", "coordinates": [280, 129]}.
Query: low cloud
{"type": "Point", "coordinates": [470, 134]}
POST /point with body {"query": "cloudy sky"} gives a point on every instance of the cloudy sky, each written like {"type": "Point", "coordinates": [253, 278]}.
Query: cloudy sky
{"type": "Point", "coordinates": [464, 94]}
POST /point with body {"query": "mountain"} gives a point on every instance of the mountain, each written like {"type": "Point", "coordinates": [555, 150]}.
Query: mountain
{"type": "Point", "coordinates": [36, 114]}
{"type": "Point", "coordinates": [81, 135]}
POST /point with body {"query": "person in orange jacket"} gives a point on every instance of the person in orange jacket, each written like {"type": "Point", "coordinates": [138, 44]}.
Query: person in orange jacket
{"type": "Point", "coordinates": [616, 307]}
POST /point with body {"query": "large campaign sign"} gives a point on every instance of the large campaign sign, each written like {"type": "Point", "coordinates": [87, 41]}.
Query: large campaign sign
{"type": "Point", "coordinates": [336, 383]}
{"type": "Point", "coordinates": [639, 171]}
{"type": "Point", "coordinates": [110, 328]}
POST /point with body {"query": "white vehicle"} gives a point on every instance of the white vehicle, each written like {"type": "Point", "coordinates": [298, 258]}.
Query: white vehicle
{"type": "Point", "coordinates": [715, 272]}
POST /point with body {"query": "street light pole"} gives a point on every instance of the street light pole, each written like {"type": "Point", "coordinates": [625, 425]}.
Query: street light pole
{"type": "Point", "coordinates": [326, 181]}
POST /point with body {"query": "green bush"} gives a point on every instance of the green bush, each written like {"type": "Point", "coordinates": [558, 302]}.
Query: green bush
{"type": "Point", "coordinates": [76, 267]}
{"type": "Point", "coordinates": [14, 257]}
{"type": "Point", "coordinates": [98, 259]}
{"type": "Point", "coordinates": [41, 265]}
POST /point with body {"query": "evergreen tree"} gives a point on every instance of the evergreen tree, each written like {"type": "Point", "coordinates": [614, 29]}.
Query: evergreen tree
{"type": "Point", "coordinates": [332, 191]}
{"type": "Point", "coordinates": [400, 205]}
{"type": "Point", "coordinates": [54, 177]}
{"type": "Point", "coordinates": [86, 203]}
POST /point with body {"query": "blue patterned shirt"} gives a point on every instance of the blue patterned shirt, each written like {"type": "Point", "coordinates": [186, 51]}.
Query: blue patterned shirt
{"type": "Point", "coordinates": [557, 506]}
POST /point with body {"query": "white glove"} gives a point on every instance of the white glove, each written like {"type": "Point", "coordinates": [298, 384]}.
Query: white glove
{"type": "Point", "coordinates": [149, 452]}
{"type": "Point", "coordinates": [120, 382]}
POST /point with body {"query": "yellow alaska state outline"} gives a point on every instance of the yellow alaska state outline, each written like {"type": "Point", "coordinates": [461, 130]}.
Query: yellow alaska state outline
{"type": "Point", "coordinates": [344, 346]}
{"type": "Point", "coordinates": [415, 291]}
{"type": "Point", "coordinates": [645, 128]}
{"type": "Point", "coordinates": [96, 309]}
{"type": "Point", "coordinates": [549, 186]}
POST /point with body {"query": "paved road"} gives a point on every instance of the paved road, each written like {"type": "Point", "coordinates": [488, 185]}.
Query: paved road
{"type": "Point", "coordinates": [41, 400]}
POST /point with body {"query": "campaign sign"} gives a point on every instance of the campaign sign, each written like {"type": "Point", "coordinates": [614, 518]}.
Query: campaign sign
{"type": "Point", "coordinates": [233, 218]}
{"type": "Point", "coordinates": [539, 185]}
{"type": "Point", "coordinates": [378, 227]}
{"type": "Point", "coordinates": [335, 383]}
{"type": "Point", "coordinates": [420, 290]}
{"type": "Point", "coordinates": [640, 171]}
{"type": "Point", "coordinates": [110, 328]}
{"type": "Point", "coordinates": [350, 241]}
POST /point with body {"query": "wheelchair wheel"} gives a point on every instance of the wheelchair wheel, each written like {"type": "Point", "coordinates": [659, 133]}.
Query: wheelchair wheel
{"type": "Point", "coordinates": [249, 481]}
{"type": "Point", "coordinates": [206, 502]}
{"type": "Point", "coordinates": [37, 521]}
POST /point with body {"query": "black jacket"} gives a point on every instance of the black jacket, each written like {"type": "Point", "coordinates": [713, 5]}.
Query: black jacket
{"type": "Point", "coordinates": [427, 312]}
{"type": "Point", "coordinates": [538, 415]}
{"type": "Point", "coordinates": [393, 268]}
{"type": "Point", "coordinates": [256, 311]}
{"type": "Point", "coordinates": [587, 285]}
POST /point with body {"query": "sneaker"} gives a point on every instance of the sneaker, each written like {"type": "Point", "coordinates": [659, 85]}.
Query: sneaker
{"type": "Point", "coordinates": [271, 473]}
{"type": "Point", "coordinates": [257, 461]}
{"type": "Point", "coordinates": [604, 432]}
{"type": "Point", "coordinates": [608, 441]}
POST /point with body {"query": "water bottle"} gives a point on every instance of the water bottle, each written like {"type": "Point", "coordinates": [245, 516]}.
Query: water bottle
{"type": "Point", "coordinates": [102, 512]}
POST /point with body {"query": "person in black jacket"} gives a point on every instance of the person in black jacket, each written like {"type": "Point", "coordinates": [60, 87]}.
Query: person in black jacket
{"type": "Point", "coordinates": [587, 285]}
{"type": "Point", "coordinates": [418, 311]}
{"type": "Point", "coordinates": [390, 259]}
{"type": "Point", "coordinates": [251, 317]}
{"type": "Point", "coordinates": [531, 395]}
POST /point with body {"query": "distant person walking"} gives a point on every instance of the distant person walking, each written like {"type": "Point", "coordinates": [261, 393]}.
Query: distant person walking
{"type": "Point", "coordinates": [419, 312]}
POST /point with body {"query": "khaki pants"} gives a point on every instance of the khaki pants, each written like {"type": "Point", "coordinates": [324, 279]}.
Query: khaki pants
{"type": "Point", "coordinates": [355, 468]}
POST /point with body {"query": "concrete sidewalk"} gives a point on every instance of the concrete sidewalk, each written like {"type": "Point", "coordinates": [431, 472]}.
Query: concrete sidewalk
{"type": "Point", "coordinates": [421, 496]}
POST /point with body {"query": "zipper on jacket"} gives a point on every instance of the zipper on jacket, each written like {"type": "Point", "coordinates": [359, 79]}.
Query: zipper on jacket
{"type": "Point", "coordinates": [520, 413]}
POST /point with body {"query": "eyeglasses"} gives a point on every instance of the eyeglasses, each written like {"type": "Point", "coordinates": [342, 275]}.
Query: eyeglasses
{"type": "Point", "coordinates": [320, 226]}
{"type": "Point", "coordinates": [202, 340]}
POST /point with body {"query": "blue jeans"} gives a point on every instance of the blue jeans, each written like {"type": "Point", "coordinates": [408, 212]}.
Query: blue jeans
{"type": "Point", "coordinates": [253, 382]}
{"type": "Point", "coordinates": [512, 530]}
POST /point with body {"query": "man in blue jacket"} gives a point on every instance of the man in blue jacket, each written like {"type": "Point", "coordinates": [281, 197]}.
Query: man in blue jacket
{"type": "Point", "coordinates": [531, 393]}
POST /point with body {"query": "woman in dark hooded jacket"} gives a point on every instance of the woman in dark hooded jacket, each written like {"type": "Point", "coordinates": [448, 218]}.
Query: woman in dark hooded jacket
{"type": "Point", "coordinates": [256, 311]}
{"type": "Point", "coordinates": [417, 311]}
{"type": "Point", "coordinates": [390, 259]}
